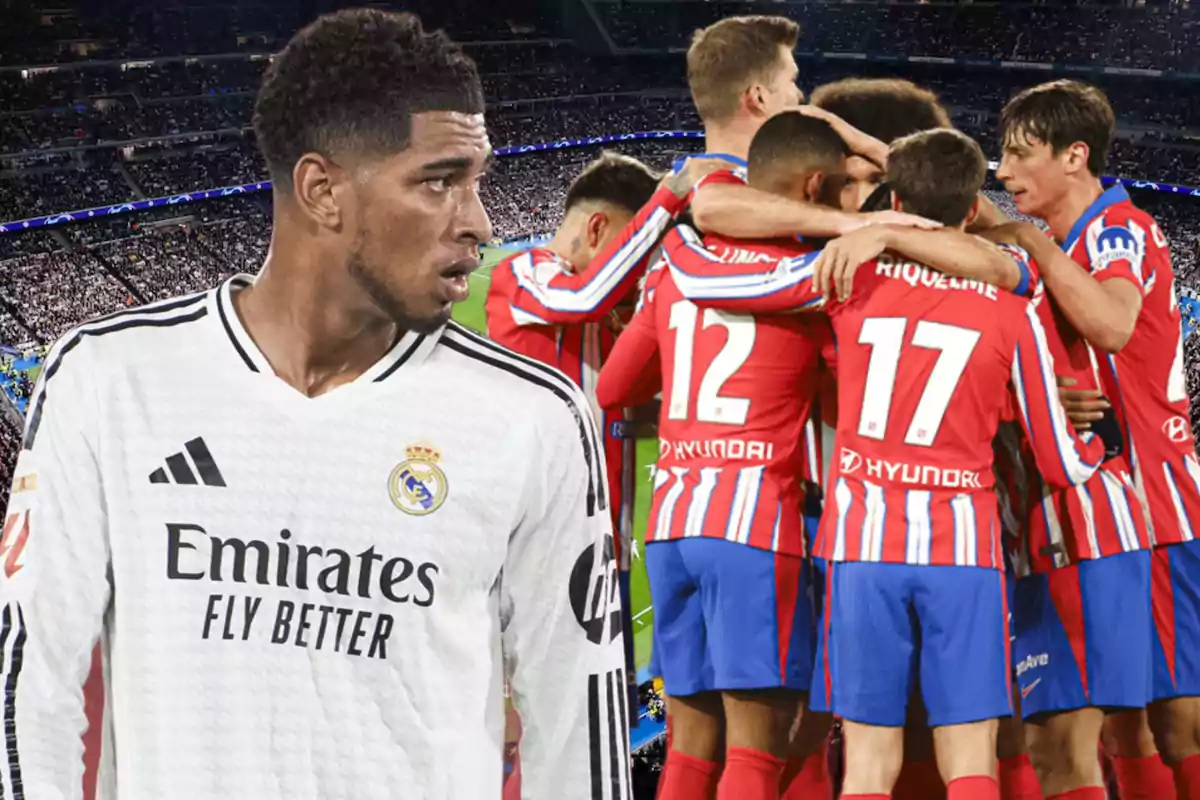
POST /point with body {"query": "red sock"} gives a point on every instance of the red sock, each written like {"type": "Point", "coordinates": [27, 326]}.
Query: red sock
{"type": "Point", "coordinates": [1187, 778]}
{"type": "Point", "coordinates": [688, 778]}
{"type": "Point", "coordinates": [807, 778]}
{"type": "Point", "coordinates": [1086, 793]}
{"type": "Point", "coordinates": [1018, 781]}
{"type": "Point", "coordinates": [750, 775]}
{"type": "Point", "coordinates": [1145, 778]}
{"type": "Point", "coordinates": [973, 787]}
{"type": "Point", "coordinates": [865, 797]}
{"type": "Point", "coordinates": [919, 780]}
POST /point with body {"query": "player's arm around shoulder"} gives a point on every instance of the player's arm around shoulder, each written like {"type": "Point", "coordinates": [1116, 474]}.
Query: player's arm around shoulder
{"type": "Point", "coordinates": [632, 373]}
{"type": "Point", "coordinates": [1104, 300]}
{"type": "Point", "coordinates": [1064, 457]}
{"type": "Point", "coordinates": [54, 553]}
{"type": "Point", "coordinates": [761, 286]}
{"type": "Point", "coordinates": [560, 614]}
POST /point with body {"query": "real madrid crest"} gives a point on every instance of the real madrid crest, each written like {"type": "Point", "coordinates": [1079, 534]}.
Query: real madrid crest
{"type": "Point", "coordinates": [418, 485]}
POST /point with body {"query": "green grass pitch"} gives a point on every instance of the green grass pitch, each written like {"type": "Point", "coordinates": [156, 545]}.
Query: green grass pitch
{"type": "Point", "coordinates": [471, 313]}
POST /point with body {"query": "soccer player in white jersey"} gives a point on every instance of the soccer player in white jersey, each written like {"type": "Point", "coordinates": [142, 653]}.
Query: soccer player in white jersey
{"type": "Point", "coordinates": [279, 507]}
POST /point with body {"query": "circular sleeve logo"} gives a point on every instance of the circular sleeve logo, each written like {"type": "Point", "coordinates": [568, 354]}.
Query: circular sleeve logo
{"type": "Point", "coordinates": [595, 593]}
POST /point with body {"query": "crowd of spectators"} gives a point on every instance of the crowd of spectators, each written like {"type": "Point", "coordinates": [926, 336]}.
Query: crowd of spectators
{"type": "Point", "coordinates": [559, 72]}
{"type": "Point", "coordinates": [10, 445]}
{"type": "Point", "coordinates": [227, 162]}
{"type": "Point", "coordinates": [1151, 36]}
{"type": "Point", "coordinates": [127, 258]}
{"type": "Point", "coordinates": [115, 29]}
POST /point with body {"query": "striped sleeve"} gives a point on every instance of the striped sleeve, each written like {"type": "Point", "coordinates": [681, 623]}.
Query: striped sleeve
{"type": "Point", "coordinates": [54, 586]}
{"type": "Point", "coordinates": [1030, 276]}
{"type": "Point", "coordinates": [1063, 458]}
{"type": "Point", "coordinates": [632, 373]}
{"type": "Point", "coordinates": [760, 288]}
{"type": "Point", "coordinates": [546, 292]}
{"type": "Point", "coordinates": [561, 618]}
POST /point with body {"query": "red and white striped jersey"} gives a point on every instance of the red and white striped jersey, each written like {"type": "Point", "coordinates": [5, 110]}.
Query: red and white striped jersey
{"type": "Point", "coordinates": [738, 391]}
{"type": "Point", "coordinates": [912, 479]}
{"type": "Point", "coordinates": [927, 365]}
{"type": "Point", "coordinates": [1099, 518]}
{"type": "Point", "coordinates": [1145, 381]}
{"type": "Point", "coordinates": [539, 306]}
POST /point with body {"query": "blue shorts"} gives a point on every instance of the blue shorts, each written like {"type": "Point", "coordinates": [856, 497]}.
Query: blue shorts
{"type": "Point", "coordinates": [728, 616]}
{"type": "Point", "coordinates": [1176, 601]}
{"type": "Point", "coordinates": [1083, 635]}
{"type": "Point", "coordinates": [892, 625]}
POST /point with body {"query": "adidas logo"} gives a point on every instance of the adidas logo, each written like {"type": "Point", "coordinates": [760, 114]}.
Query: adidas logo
{"type": "Point", "coordinates": [180, 470]}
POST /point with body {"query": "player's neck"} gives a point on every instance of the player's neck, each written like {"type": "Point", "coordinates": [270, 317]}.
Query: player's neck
{"type": "Point", "coordinates": [732, 138]}
{"type": "Point", "coordinates": [311, 343]}
{"type": "Point", "coordinates": [1078, 197]}
{"type": "Point", "coordinates": [560, 245]}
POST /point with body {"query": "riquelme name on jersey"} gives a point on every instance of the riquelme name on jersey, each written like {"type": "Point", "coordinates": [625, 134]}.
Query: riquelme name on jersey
{"type": "Point", "coordinates": [335, 572]}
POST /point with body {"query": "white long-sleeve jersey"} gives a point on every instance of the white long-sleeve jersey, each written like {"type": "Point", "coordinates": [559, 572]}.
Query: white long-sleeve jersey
{"type": "Point", "coordinates": [307, 598]}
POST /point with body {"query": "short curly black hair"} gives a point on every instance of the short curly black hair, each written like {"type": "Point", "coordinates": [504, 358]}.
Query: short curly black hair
{"type": "Point", "coordinates": [616, 179]}
{"type": "Point", "coordinates": [886, 108]}
{"type": "Point", "coordinates": [351, 81]}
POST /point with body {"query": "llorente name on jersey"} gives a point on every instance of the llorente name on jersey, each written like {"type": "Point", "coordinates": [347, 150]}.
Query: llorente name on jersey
{"type": "Point", "coordinates": [194, 554]}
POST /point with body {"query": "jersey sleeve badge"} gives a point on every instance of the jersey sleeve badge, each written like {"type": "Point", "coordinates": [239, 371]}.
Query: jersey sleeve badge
{"type": "Point", "coordinates": [1107, 245]}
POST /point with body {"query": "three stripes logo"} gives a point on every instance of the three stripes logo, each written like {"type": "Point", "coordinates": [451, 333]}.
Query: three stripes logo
{"type": "Point", "coordinates": [180, 470]}
{"type": "Point", "coordinates": [608, 737]}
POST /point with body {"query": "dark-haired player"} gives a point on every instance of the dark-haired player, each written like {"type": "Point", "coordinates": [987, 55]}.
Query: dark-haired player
{"type": "Point", "coordinates": [914, 480]}
{"type": "Point", "coordinates": [555, 302]}
{"type": "Point", "coordinates": [278, 508]}
{"type": "Point", "coordinates": [733, 623]}
{"type": "Point", "coordinates": [1117, 290]}
{"type": "Point", "coordinates": [883, 110]}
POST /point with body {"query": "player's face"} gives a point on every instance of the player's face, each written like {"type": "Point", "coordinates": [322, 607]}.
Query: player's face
{"type": "Point", "coordinates": [1032, 173]}
{"type": "Point", "coordinates": [862, 178]}
{"type": "Point", "coordinates": [782, 92]}
{"type": "Point", "coordinates": [420, 220]}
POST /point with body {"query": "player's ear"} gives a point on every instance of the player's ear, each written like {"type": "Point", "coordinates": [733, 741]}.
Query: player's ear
{"type": "Point", "coordinates": [1076, 157]}
{"type": "Point", "coordinates": [972, 213]}
{"type": "Point", "coordinates": [896, 204]}
{"type": "Point", "coordinates": [597, 226]}
{"type": "Point", "coordinates": [319, 189]}
{"type": "Point", "coordinates": [813, 187]}
{"type": "Point", "coordinates": [755, 98]}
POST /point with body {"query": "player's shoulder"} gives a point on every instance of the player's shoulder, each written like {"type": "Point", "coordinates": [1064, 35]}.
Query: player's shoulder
{"type": "Point", "coordinates": [1122, 231]}
{"type": "Point", "coordinates": [1139, 218]}
{"type": "Point", "coordinates": [514, 387]}
{"type": "Point", "coordinates": [130, 335]}
{"type": "Point", "coordinates": [732, 175]}
{"type": "Point", "coordinates": [537, 264]}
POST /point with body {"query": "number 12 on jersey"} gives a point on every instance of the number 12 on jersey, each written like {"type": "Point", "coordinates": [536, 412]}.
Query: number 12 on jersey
{"type": "Point", "coordinates": [886, 337]}
{"type": "Point", "coordinates": [711, 405]}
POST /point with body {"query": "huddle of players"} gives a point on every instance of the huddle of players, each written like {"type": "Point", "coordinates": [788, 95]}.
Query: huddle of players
{"type": "Point", "coordinates": [948, 423]}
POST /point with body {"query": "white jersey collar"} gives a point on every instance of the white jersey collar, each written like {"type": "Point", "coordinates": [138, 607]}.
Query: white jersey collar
{"type": "Point", "coordinates": [409, 350]}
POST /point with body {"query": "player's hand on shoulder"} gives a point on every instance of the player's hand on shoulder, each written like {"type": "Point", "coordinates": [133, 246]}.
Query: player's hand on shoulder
{"type": "Point", "coordinates": [1017, 233]}
{"type": "Point", "coordinates": [892, 218]}
{"type": "Point", "coordinates": [682, 182]}
{"type": "Point", "coordinates": [835, 267]}
{"type": "Point", "coordinates": [858, 142]}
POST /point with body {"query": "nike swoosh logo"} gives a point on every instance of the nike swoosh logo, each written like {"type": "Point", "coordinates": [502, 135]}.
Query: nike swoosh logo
{"type": "Point", "coordinates": [1025, 691]}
